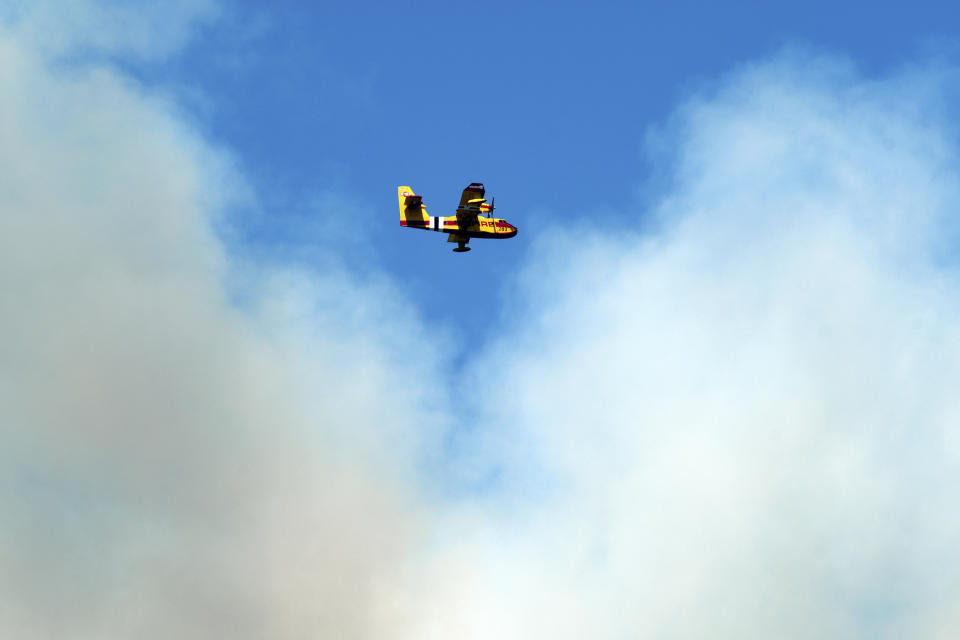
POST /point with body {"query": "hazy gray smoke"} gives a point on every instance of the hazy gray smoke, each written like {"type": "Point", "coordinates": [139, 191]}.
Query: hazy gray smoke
{"type": "Point", "coordinates": [172, 466]}
{"type": "Point", "coordinates": [736, 419]}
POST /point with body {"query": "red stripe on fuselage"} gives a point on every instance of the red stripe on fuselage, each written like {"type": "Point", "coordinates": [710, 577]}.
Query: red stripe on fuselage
{"type": "Point", "coordinates": [454, 227]}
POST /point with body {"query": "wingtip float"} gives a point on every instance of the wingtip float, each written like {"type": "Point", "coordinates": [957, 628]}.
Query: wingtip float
{"type": "Point", "coordinates": [469, 221]}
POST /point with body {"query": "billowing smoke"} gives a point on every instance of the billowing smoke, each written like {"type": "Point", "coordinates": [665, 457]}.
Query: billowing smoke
{"type": "Point", "coordinates": [174, 466]}
{"type": "Point", "coordinates": [736, 415]}
{"type": "Point", "coordinates": [733, 416]}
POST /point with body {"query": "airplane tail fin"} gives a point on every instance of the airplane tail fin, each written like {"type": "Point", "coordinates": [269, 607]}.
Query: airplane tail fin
{"type": "Point", "coordinates": [413, 213]}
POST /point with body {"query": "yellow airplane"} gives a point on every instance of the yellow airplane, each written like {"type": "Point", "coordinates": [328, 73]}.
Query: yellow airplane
{"type": "Point", "coordinates": [466, 224]}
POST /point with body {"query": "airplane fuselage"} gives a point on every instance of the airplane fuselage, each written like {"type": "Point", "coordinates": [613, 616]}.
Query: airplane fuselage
{"type": "Point", "coordinates": [483, 228]}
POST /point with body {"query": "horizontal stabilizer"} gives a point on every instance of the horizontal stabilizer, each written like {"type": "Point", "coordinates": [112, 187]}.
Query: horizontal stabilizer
{"type": "Point", "coordinates": [412, 211]}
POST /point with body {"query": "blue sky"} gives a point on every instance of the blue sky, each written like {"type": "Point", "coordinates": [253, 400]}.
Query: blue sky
{"type": "Point", "coordinates": [709, 391]}
{"type": "Point", "coordinates": [549, 107]}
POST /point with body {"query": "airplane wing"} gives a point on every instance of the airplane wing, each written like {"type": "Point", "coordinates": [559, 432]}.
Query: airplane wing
{"type": "Point", "coordinates": [473, 191]}
{"type": "Point", "coordinates": [469, 208]}
{"type": "Point", "coordinates": [460, 240]}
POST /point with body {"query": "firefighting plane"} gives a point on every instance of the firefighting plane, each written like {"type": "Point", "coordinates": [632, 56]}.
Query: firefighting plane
{"type": "Point", "coordinates": [467, 223]}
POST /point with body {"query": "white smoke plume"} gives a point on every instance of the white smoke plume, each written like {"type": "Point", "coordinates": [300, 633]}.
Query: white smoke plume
{"type": "Point", "coordinates": [740, 418]}
{"type": "Point", "coordinates": [734, 418]}
{"type": "Point", "coordinates": [173, 466]}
